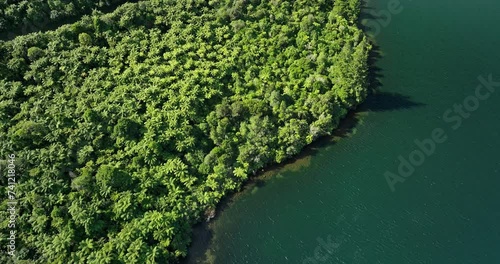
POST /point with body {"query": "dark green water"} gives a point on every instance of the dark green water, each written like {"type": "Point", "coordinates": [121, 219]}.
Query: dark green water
{"type": "Point", "coordinates": [447, 211]}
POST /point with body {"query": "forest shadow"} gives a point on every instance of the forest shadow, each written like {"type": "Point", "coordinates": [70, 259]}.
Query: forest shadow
{"type": "Point", "coordinates": [367, 13]}
{"type": "Point", "coordinates": [44, 26]}
{"type": "Point", "coordinates": [374, 72]}
{"type": "Point", "coordinates": [380, 101]}
{"type": "Point", "coordinates": [386, 101]}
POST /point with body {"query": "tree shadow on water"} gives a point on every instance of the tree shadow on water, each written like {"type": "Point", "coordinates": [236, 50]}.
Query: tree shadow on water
{"type": "Point", "coordinates": [381, 101]}
{"type": "Point", "coordinates": [369, 19]}
{"type": "Point", "coordinates": [386, 101]}
{"type": "Point", "coordinates": [365, 15]}
{"type": "Point", "coordinates": [377, 100]}
{"type": "Point", "coordinates": [375, 72]}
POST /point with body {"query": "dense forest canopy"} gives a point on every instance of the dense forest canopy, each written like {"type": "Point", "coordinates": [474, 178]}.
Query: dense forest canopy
{"type": "Point", "coordinates": [28, 15]}
{"type": "Point", "coordinates": [128, 126]}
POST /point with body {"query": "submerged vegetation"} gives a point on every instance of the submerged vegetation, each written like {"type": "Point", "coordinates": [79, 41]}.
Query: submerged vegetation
{"type": "Point", "coordinates": [128, 127]}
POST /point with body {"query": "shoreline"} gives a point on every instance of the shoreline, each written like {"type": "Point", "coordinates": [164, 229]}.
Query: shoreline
{"type": "Point", "coordinates": [202, 232]}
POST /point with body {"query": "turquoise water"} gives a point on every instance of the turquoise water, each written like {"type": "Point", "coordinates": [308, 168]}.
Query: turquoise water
{"type": "Point", "coordinates": [335, 204]}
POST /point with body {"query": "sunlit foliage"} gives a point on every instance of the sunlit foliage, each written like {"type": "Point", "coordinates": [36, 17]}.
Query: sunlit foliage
{"type": "Point", "coordinates": [129, 126]}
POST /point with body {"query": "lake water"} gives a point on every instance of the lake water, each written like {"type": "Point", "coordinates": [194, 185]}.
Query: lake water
{"type": "Point", "coordinates": [335, 205]}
